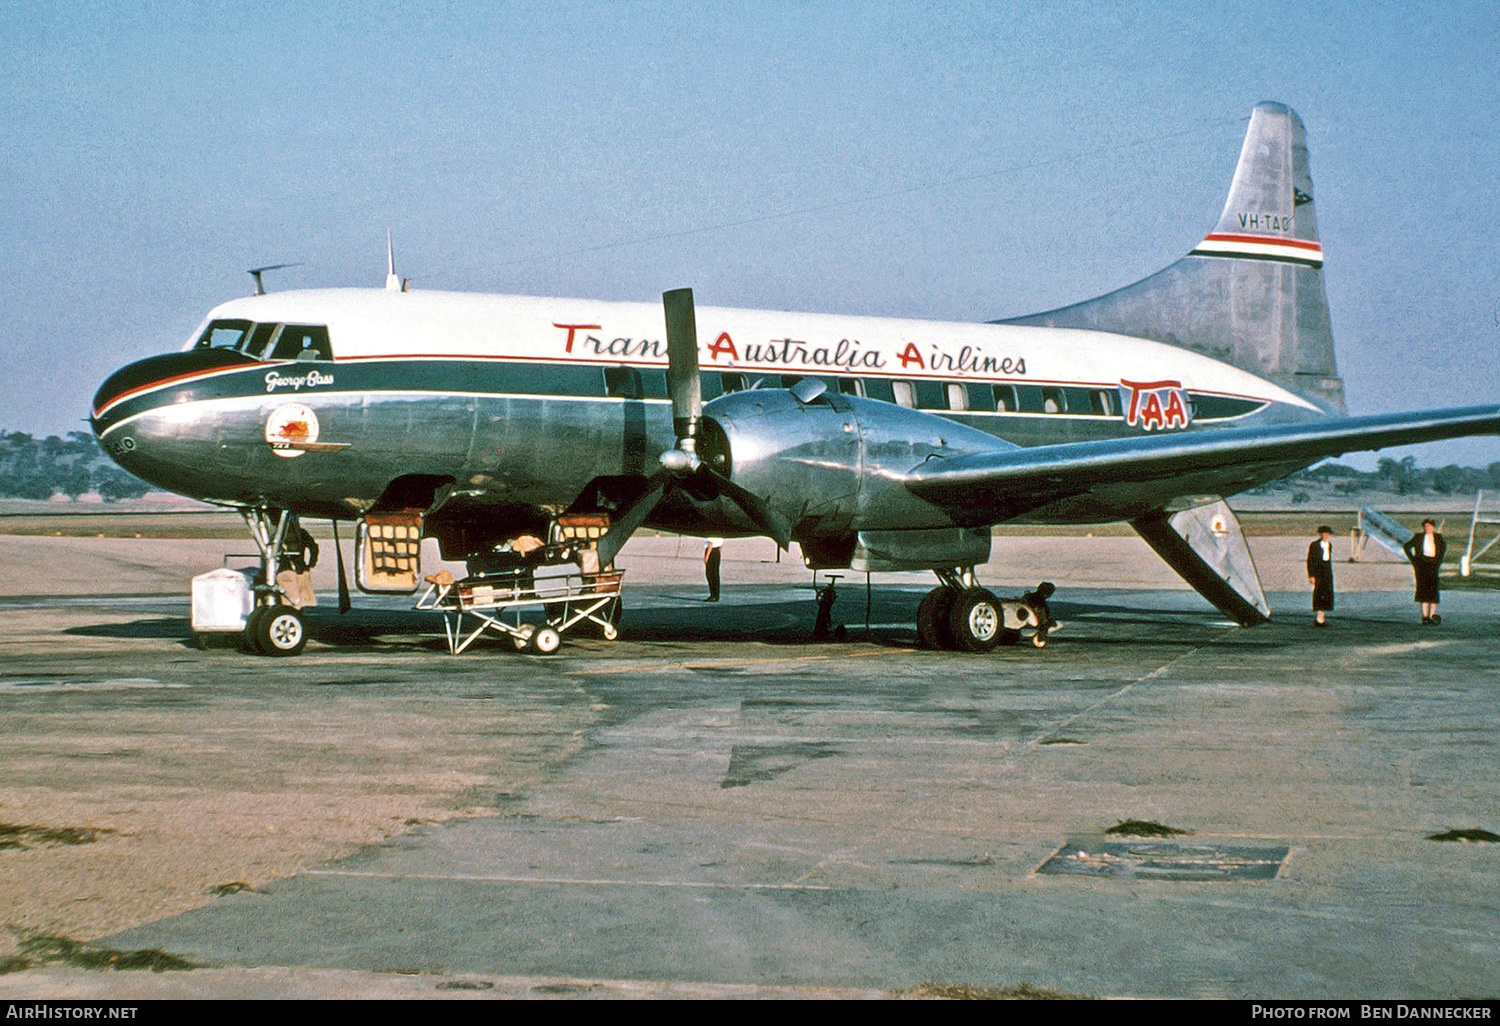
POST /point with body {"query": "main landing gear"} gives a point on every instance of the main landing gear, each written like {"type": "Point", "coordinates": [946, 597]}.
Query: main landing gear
{"type": "Point", "coordinates": [960, 615]}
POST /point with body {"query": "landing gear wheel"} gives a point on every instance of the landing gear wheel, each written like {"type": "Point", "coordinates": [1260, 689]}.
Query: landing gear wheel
{"type": "Point", "coordinates": [932, 618]}
{"type": "Point", "coordinates": [974, 620]}
{"type": "Point", "coordinates": [1008, 637]}
{"type": "Point", "coordinates": [280, 631]}
{"type": "Point", "coordinates": [546, 640]}
{"type": "Point", "coordinates": [522, 641]}
{"type": "Point", "coordinates": [250, 637]}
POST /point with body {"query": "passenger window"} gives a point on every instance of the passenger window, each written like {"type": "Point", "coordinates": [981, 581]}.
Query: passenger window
{"type": "Point", "coordinates": [850, 386]}
{"type": "Point", "coordinates": [223, 335]}
{"type": "Point", "coordinates": [930, 396]}
{"type": "Point", "coordinates": [731, 381]}
{"type": "Point", "coordinates": [904, 394]}
{"type": "Point", "coordinates": [622, 382]}
{"type": "Point", "coordinates": [882, 389]}
{"type": "Point", "coordinates": [654, 383]}
{"type": "Point", "coordinates": [958, 397]}
{"type": "Point", "coordinates": [712, 386]}
{"type": "Point", "coordinates": [1005, 399]}
{"type": "Point", "coordinates": [1052, 400]}
{"type": "Point", "coordinates": [981, 398]}
{"type": "Point", "coordinates": [303, 342]}
{"type": "Point", "coordinates": [1029, 399]}
{"type": "Point", "coordinates": [552, 379]}
{"type": "Point", "coordinates": [1102, 402]}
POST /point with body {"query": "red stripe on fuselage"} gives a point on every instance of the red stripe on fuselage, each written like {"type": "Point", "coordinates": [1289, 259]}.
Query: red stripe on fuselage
{"type": "Point", "coordinates": [175, 379]}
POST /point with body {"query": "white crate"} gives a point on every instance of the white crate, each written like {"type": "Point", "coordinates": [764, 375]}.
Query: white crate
{"type": "Point", "coordinates": [222, 599]}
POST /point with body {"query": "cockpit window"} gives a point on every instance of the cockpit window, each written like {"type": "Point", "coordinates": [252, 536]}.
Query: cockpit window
{"type": "Point", "coordinates": [224, 335]}
{"type": "Point", "coordinates": [268, 341]}
{"type": "Point", "coordinates": [303, 342]}
{"type": "Point", "coordinates": [259, 338]}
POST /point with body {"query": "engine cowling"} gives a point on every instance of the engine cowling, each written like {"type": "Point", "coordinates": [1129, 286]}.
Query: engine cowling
{"type": "Point", "coordinates": [833, 465]}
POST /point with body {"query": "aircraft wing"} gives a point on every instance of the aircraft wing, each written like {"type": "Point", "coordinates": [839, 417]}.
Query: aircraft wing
{"type": "Point", "coordinates": [1131, 477]}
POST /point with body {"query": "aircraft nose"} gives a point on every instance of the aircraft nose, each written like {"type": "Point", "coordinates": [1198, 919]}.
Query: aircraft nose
{"type": "Point", "coordinates": [134, 415]}
{"type": "Point", "coordinates": [137, 386]}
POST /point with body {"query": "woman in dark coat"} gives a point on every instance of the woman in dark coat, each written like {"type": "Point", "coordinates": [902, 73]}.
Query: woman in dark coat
{"type": "Point", "coordinates": [1320, 573]}
{"type": "Point", "coordinates": [1425, 551]}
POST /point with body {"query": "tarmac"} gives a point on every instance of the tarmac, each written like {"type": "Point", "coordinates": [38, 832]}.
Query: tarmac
{"type": "Point", "coordinates": [717, 806]}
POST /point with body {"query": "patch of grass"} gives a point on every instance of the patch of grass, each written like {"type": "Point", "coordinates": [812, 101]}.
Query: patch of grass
{"type": "Point", "coordinates": [564, 988]}
{"type": "Point", "coordinates": [38, 949]}
{"type": "Point", "coordinates": [1143, 828]}
{"type": "Point", "coordinates": [233, 887]}
{"type": "Point", "coordinates": [23, 836]}
{"type": "Point", "coordinates": [1471, 834]}
{"type": "Point", "coordinates": [968, 992]}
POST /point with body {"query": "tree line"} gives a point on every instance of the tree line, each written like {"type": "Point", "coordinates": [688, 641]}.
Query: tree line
{"type": "Point", "coordinates": [39, 468]}
{"type": "Point", "coordinates": [1401, 476]}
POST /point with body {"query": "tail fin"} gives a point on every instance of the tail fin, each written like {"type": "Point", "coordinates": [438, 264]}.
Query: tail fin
{"type": "Point", "coordinates": [1251, 293]}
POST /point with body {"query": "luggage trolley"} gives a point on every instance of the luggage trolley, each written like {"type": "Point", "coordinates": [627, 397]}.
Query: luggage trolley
{"type": "Point", "coordinates": [480, 603]}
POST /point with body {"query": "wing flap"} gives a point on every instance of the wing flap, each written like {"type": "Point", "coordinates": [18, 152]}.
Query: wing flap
{"type": "Point", "coordinates": [1126, 477]}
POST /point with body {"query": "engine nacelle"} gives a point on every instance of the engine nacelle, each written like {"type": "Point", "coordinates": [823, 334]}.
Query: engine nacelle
{"type": "Point", "coordinates": [833, 465]}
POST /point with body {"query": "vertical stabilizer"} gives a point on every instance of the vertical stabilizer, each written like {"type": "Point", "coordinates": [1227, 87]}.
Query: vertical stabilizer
{"type": "Point", "coordinates": [1251, 293]}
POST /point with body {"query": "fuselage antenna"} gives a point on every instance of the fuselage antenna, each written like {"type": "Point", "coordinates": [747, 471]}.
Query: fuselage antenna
{"type": "Point", "coordinates": [392, 280]}
{"type": "Point", "coordinates": [256, 272]}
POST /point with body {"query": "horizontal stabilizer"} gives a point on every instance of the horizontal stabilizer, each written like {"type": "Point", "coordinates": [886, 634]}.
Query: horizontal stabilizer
{"type": "Point", "coordinates": [1207, 548]}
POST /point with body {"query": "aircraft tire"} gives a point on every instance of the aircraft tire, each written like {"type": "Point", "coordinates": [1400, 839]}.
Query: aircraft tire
{"type": "Point", "coordinates": [932, 618]}
{"type": "Point", "coordinates": [1009, 637]}
{"type": "Point", "coordinates": [546, 640]}
{"type": "Point", "coordinates": [281, 631]}
{"type": "Point", "coordinates": [975, 621]}
{"type": "Point", "coordinates": [250, 637]}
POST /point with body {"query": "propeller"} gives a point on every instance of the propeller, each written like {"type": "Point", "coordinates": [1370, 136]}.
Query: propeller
{"type": "Point", "coordinates": [683, 464]}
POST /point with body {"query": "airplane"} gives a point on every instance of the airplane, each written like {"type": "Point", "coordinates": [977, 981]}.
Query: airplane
{"type": "Point", "coordinates": [875, 444]}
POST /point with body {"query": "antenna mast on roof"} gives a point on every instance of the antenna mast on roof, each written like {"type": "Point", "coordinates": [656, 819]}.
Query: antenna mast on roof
{"type": "Point", "coordinates": [256, 272]}
{"type": "Point", "coordinates": [392, 281]}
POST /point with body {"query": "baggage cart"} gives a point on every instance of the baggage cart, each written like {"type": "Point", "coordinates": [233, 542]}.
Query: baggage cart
{"type": "Point", "coordinates": [493, 602]}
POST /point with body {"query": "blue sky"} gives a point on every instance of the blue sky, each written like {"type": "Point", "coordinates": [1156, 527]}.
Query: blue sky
{"type": "Point", "coordinates": [946, 160]}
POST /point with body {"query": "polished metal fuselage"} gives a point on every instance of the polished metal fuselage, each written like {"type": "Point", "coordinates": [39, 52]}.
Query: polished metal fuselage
{"type": "Point", "coordinates": [831, 466]}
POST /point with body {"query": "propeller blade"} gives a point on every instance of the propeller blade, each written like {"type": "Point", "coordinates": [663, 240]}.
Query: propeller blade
{"type": "Point", "coordinates": [685, 386]}
{"type": "Point", "coordinates": [683, 383]}
{"type": "Point", "coordinates": [771, 522]}
{"type": "Point", "coordinates": [632, 517]}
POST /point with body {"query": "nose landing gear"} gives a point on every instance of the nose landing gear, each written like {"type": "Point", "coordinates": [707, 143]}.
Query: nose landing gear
{"type": "Point", "coordinates": [275, 626]}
